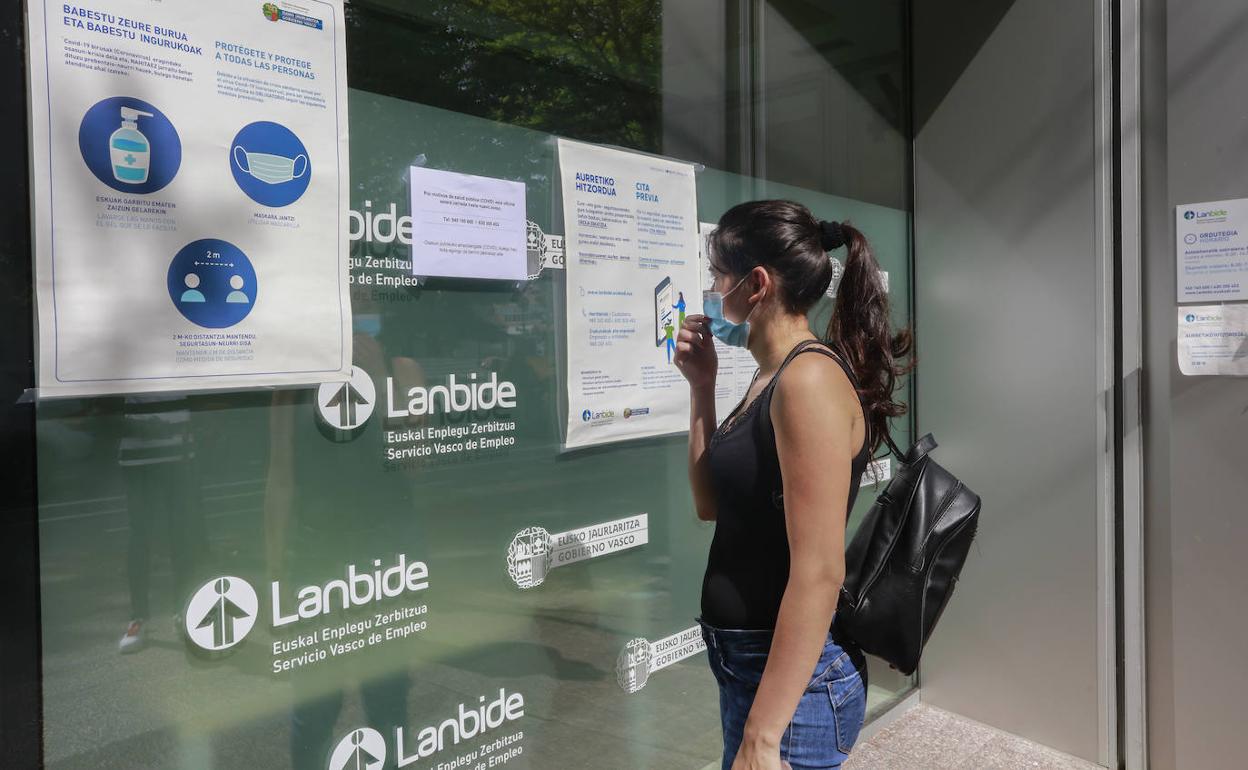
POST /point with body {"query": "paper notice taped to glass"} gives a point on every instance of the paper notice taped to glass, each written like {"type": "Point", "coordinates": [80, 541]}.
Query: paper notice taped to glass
{"type": "Point", "coordinates": [1213, 339]}
{"type": "Point", "coordinates": [466, 226]}
{"type": "Point", "coordinates": [1212, 250]}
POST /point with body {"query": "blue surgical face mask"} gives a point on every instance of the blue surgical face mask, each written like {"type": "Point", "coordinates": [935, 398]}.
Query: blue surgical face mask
{"type": "Point", "coordinates": [724, 330]}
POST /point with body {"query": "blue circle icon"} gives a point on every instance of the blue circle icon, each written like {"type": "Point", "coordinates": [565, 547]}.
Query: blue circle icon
{"type": "Point", "coordinates": [212, 283]}
{"type": "Point", "coordinates": [270, 164]}
{"type": "Point", "coordinates": [129, 145]}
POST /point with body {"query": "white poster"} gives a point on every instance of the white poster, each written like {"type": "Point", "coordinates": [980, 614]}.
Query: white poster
{"type": "Point", "coordinates": [631, 239]}
{"type": "Point", "coordinates": [1213, 339]}
{"type": "Point", "coordinates": [467, 226]}
{"type": "Point", "coordinates": [189, 165]}
{"type": "Point", "coordinates": [1212, 248]}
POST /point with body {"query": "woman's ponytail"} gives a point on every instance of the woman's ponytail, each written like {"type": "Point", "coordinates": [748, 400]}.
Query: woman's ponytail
{"type": "Point", "coordinates": [861, 330]}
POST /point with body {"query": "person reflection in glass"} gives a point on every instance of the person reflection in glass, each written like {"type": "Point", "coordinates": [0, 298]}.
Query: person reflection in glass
{"type": "Point", "coordinates": [157, 459]}
{"type": "Point", "coordinates": [331, 502]}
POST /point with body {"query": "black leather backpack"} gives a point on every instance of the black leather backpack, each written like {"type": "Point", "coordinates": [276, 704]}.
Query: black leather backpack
{"type": "Point", "coordinates": [902, 564]}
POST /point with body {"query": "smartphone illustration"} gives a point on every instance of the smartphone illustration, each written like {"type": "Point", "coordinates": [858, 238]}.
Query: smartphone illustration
{"type": "Point", "coordinates": [663, 310]}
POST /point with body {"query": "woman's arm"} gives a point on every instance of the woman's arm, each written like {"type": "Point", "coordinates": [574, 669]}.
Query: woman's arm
{"type": "Point", "coordinates": [701, 426]}
{"type": "Point", "coordinates": [697, 361]}
{"type": "Point", "coordinates": [813, 425]}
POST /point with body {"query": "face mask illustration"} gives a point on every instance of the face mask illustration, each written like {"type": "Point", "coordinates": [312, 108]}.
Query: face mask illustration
{"type": "Point", "coordinates": [271, 169]}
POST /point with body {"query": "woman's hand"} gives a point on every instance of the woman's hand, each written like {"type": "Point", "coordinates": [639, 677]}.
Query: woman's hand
{"type": "Point", "coordinates": [759, 755]}
{"type": "Point", "coordinates": [695, 352]}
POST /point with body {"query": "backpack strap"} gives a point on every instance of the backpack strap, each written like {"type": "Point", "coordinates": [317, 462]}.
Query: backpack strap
{"type": "Point", "coordinates": [919, 450]}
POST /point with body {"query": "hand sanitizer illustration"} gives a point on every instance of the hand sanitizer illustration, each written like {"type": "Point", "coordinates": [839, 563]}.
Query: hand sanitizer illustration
{"type": "Point", "coordinates": [129, 149]}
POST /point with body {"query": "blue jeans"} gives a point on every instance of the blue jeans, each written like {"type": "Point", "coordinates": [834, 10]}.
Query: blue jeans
{"type": "Point", "coordinates": [828, 717]}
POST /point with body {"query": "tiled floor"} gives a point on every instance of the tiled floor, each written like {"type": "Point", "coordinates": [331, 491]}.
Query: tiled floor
{"type": "Point", "coordinates": [927, 738]}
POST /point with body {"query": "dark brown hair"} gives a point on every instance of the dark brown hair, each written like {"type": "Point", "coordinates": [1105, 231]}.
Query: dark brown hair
{"type": "Point", "coordinates": [788, 240]}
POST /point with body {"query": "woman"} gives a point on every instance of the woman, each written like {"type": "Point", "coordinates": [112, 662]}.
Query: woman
{"type": "Point", "coordinates": [780, 475]}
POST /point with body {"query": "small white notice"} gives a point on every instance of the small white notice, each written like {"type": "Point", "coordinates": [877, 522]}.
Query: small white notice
{"type": "Point", "coordinates": [1212, 249]}
{"type": "Point", "coordinates": [466, 226]}
{"type": "Point", "coordinates": [1213, 339]}
{"type": "Point", "coordinates": [877, 472]}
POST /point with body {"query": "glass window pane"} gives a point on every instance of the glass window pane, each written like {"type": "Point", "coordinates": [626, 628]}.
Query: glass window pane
{"type": "Point", "coordinates": [251, 521]}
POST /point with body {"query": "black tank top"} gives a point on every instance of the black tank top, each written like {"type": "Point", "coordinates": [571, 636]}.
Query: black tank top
{"type": "Point", "coordinates": [748, 566]}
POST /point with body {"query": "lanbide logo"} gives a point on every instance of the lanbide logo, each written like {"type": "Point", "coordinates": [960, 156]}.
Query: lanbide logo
{"type": "Point", "coordinates": [599, 416]}
{"type": "Point", "coordinates": [343, 407]}
{"type": "Point", "coordinates": [362, 749]}
{"type": "Point", "coordinates": [366, 748]}
{"type": "Point", "coordinates": [456, 396]}
{"type": "Point", "coordinates": [347, 405]}
{"type": "Point", "coordinates": [384, 227]}
{"type": "Point", "coordinates": [1214, 215]}
{"type": "Point", "coordinates": [357, 589]}
{"type": "Point", "coordinates": [221, 613]}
